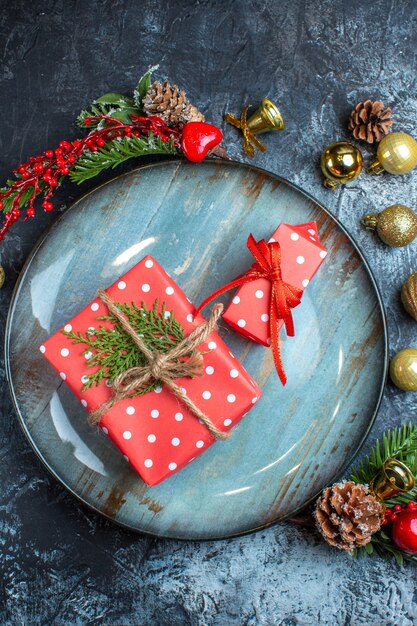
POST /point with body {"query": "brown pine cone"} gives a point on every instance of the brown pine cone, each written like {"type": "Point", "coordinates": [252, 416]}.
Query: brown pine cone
{"type": "Point", "coordinates": [170, 104]}
{"type": "Point", "coordinates": [347, 515]}
{"type": "Point", "coordinates": [370, 121]}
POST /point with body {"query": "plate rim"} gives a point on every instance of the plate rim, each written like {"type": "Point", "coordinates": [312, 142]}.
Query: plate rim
{"type": "Point", "coordinates": [55, 223]}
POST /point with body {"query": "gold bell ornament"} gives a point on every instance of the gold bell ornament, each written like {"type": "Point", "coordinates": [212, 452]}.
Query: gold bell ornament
{"type": "Point", "coordinates": [266, 118]}
{"type": "Point", "coordinates": [396, 225]}
{"type": "Point", "coordinates": [340, 163]}
{"type": "Point", "coordinates": [396, 154]}
{"type": "Point", "coordinates": [403, 369]}
{"type": "Point", "coordinates": [393, 478]}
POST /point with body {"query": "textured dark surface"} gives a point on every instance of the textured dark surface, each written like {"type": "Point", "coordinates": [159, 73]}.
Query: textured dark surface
{"type": "Point", "coordinates": [61, 565]}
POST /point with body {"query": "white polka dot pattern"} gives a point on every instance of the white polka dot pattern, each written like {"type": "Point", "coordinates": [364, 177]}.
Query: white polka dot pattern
{"type": "Point", "coordinates": [301, 255]}
{"type": "Point", "coordinates": [155, 432]}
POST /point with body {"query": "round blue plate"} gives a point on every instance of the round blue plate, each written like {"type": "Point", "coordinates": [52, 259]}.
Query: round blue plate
{"type": "Point", "coordinates": [195, 220]}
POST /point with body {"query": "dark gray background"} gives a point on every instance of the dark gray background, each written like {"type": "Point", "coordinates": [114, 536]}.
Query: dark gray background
{"type": "Point", "coordinates": [60, 564]}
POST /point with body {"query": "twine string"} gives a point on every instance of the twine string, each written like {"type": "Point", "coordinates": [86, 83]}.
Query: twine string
{"type": "Point", "coordinates": [163, 367]}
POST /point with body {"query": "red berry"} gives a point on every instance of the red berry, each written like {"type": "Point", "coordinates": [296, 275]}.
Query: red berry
{"type": "Point", "coordinates": [16, 212]}
{"type": "Point", "coordinates": [404, 531]}
{"type": "Point", "coordinates": [64, 145]}
{"type": "Point", "coordinates": [87, 121]}
{"type": "Point", "coordinates": [1, 205]}
{"type": "Point", "coordinates": [71, 159]}
{"type": "Point", "coordinates": [58, 152]}
{"type": "Point", "coordinates": [30, 212]}
{"type": "Point", "coordinates": [49, 154]}
{"type": "Point", "coordinates": [48, 206]}
{"type": "Point", "coordinates": [388, 512]}
{"type": "Point", "coordinates": [93, 148]}
{"type": "Point", "coordinates": [53, 182]}
{"type": "Point", "coordinates": [21, 169]}
{"type": "Point", "coordinates": [397, 507]}
{"type": "Point", "coordinates": [136, 133]}
{"type": "Point", "coordinates": [64, 171]}
{"type": "Point", "coordinates": [385, 521]}
{"type": "Point", "coordinates": [393, 517]}
{"type": "Point", "coordinates": [411, 506]}
{"type": "Point", "coordinates": [128, 131]}
{"type": "Point", "coordinates": [100, 142]}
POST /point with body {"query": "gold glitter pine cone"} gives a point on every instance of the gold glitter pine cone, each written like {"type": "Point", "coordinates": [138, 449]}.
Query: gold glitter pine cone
{"type": "Point", "coordinates": [409, 295]}
{"type": "Point", "coordinates": [347, 515]}
{"type": "Point", "coordinates": [170, 104]}
{"type": "Point", "coordinates": [370, 121]}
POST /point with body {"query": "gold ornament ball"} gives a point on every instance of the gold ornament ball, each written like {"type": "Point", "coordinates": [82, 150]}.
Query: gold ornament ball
{"type": "Point", "coordinates": [396, 154]}
{"type": "Point", "coordinates": [340, 163]}
{"type": "Point", "coordinates": [409, 295]}
{"type": "Point", "coordinates": [403, 369]}
{"type": "Point", "coordinates": [396, 225]}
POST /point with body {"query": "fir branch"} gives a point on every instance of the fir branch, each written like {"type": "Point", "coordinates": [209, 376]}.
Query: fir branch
{"type": "Point", "coordinates": [113, 351]}
{"type": "Point", "coordinates": [117, 151]}
{"type": "Point", "coordinates": [382, 546]}
{"type": "Point", "coordinates": [399, 443]}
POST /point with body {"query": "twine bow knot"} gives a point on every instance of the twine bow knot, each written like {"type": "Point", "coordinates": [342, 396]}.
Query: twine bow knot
{"type": "Point", "coordinates": [180, 361]}
{"type": "Point", "coordinates": [250, 141]}
{"type": "Point", "coordinates": [284, 296]}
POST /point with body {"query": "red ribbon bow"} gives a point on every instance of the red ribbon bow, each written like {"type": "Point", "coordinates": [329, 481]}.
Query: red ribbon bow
{"type": "Point", "coordinates": [284, 296]}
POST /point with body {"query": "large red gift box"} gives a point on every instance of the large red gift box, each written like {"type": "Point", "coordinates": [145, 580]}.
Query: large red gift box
{"type": "Point", "coordinates": [301, 256]}
{"type": "Point", "coordinates": [155, 432]}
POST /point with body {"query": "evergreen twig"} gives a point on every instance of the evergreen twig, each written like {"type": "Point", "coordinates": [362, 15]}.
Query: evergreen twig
{"type": "Point", "coordinates": [399, 443]}
{"type": "Point", "coordinates": [113, 351]}
{"type": "Point", "coordinates": [117, 151]}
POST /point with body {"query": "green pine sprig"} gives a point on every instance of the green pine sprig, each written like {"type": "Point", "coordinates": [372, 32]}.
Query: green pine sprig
{"type": "Point", "coordinates": [116, 152]}
{"type": "Point", "coordinates": [113, 351]}
{"type": "Point", "coordinates": [399, 443]}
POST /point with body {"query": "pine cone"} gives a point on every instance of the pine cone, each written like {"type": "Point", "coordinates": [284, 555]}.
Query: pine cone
{"type": "Point", "coordinates": [347, 515]}
{"type": "Point", "coordinates": [170, 104]}
{"type": "Point", "coordinates": [370, 121]}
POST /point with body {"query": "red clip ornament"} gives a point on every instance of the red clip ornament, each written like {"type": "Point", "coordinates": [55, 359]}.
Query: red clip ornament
{"type": "Point", "coordinates": [197, 138]}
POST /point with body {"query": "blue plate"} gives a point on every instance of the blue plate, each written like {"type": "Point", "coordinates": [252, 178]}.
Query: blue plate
{"type": "Point", "coordinates": [195, 220]}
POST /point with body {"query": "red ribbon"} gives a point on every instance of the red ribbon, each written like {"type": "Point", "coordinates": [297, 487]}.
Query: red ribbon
{"type": "Point", "coordinates": [284, 296]}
